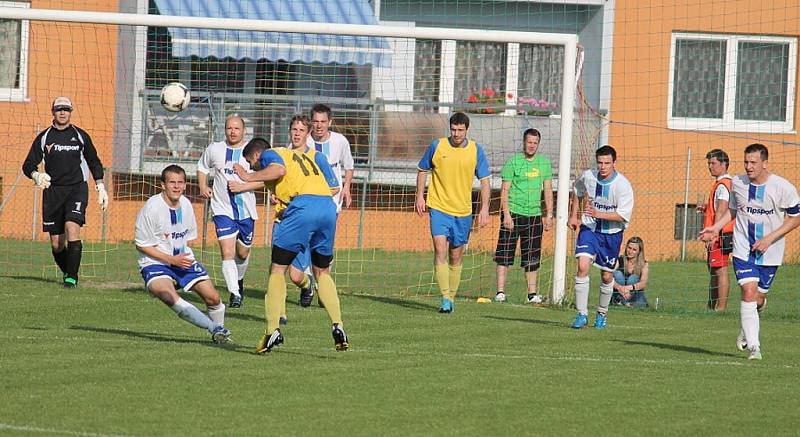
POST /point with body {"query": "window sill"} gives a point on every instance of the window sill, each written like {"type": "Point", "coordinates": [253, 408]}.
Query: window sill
{"type": "Point", "coordinates": [718, 125]}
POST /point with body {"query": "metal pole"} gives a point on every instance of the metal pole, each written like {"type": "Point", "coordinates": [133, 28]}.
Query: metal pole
{"type": "Point", "coordinates": [564, 161]}
{"type": "Point", "coordinates": [686, 203]}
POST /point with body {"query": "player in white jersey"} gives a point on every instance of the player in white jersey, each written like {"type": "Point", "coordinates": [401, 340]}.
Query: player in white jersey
{"type": "Point", "coordinates": [233, 204]}
{"type": "Point", "coordinates": [766, 208]}
{"type": "Point", "coordinates": [607, 199]}
{"type": "Point", "coordinates": [164, 226]}
{"type": "Point", "coordinates": [336, 148]}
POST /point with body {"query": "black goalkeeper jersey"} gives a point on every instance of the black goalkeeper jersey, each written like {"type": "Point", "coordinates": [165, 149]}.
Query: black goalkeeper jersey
{"type": "Point", "coordinates": [68, 155]}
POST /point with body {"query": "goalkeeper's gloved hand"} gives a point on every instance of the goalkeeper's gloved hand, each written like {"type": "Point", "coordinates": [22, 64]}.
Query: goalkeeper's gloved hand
{"type": "Point", "coordinates": [102, 195]}
{"type": "Point", "coordinates": [42, 180]}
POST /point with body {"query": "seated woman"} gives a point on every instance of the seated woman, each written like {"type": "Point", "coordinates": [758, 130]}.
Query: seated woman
{"type": "Point", "coordinates": [630, 277]}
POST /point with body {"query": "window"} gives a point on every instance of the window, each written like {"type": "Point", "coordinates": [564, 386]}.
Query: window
{"type": "Point", "coordinates": [456, 70]}
{"type": "Point", "coordinates": [732, 83]}
{"type": "Point", "coordinates": [14, 55]}
{"type": "Point", "coordinates": [694, 221]}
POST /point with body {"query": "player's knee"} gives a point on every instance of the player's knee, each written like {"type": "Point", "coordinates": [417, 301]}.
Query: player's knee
{"type": "Point", "coordinates": [321, 261]}
{"type": "Point", "coordinates": [282, 256]}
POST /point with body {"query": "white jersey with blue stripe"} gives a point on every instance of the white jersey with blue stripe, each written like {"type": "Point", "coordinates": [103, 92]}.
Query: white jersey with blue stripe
{"type": "Point", "coordinates": [760, 209]}
{"type": "Point", "coordinates": [614, 194]}
{"type": "Point", "coordinates": [218, 159]}
{"type": "Point", "coordinates": [337, 149]}
{"type": "Point", "coordinates": [165, 228]}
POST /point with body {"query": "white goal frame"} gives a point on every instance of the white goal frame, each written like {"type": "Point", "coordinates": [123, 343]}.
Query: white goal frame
{"type": "Point", "coordinates": [569, 41]}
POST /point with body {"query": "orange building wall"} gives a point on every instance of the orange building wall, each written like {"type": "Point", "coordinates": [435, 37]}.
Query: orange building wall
{"type": "Point", "coordinates": [76, 60]}
{"type": "Point", "coordinates": [653, 157]}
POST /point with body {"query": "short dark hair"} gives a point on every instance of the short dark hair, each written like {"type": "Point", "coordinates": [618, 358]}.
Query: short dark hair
{"type": "Point", "coordinates": [531, 132]}
{"type": "Point", "coordinates": [605, 151]}
{"type": "Point", "coordinates": [174, 169]}
{"type": "Point", "coordinates": [758, 147]}
{"type": "Point", "coordinates": [319, 108]}
{"type": "Point", "coordinates": [720, 156]}
{"type": "Point", "coordinates": [301, 119]}
{"type": "Point", "coordinates": [256, 145]}
{"type": "Point", "coordinates": [459, 118]}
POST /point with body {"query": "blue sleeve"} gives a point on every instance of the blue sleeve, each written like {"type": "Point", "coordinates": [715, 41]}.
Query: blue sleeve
{"type": "Point", "coordinates": [482, 167]}
{"type": "Point", "coordinates": [322, 162]}
{"type": "Point", "coordinates": [426, 163]}
{"type": "Point", "coordinates": [270, 157]}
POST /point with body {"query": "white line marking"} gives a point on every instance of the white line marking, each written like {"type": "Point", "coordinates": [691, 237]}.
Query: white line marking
{"type": "Point", "coordinates": [55, 431]}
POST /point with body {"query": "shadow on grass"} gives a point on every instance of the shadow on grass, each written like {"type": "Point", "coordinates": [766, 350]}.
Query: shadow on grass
{"type": "Point", "coordinates": [534, 321]}
{"type": "Point", "coordinates": [678, 348]}
{"type": "Point", "coordinates": [404, 303]}
{"type": "Point", "coordinates": [32, 278]}
{"type": "Point", "coordinates": [165, 338]}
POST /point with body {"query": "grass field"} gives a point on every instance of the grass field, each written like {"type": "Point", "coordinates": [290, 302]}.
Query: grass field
{"type": "Point", "coordinates": [107, 359]}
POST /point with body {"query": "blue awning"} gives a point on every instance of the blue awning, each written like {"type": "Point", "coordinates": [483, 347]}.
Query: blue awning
{"type": "Point", "coordinates": [297, 47]}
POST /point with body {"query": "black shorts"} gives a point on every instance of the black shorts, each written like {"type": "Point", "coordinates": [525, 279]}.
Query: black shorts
{"type": "Point", "coordinates": [528, 230]}
{"type": "Point", "coordinates": [726, 242]}
{"type": "Point", "coordinates": [63, 203]}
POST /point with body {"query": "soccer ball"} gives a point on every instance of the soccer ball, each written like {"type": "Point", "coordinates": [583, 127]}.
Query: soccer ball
{"type": "Point", "coordinates": [175, 97]}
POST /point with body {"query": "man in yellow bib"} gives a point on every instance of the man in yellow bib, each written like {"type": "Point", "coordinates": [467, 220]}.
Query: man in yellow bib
{"type": "Point", "coordinates": [452, 163]}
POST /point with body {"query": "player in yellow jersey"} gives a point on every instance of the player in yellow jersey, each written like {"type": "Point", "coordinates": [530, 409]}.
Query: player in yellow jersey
{"type": "Point", "coordinates": [452, 163]}
{"type": "Point", "coordinates": [303, 182]}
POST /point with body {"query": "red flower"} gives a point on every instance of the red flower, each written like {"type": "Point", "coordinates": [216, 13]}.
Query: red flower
{"type": "Point", "coordinates": [472, 99]}
{"type": "Point", "coordinates": [510, 95]}
{"type": "Point", "coordinates": [490, 93]}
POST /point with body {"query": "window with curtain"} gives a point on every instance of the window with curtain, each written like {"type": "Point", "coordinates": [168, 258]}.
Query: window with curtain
{"type": "Point", "coordinates": [541, 68]}
{"type": "Point", "coordinates": [733, 82]}
{"type": "Point", "coordinates": [13, 55]}
{"type": "Point", "coordinates": [427, 72]}
{"type": "Point", "coordinates": [479, 65]}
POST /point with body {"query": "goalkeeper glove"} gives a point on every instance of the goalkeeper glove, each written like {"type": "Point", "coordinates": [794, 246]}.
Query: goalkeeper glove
{"type": "Point", "coordinates": [102, 195]}
{"type": "Point", "coordinates": [42, 180]}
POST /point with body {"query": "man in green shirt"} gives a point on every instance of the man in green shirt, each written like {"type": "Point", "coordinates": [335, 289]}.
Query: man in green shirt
{"type": "Point", "coordinates": [525, 176]}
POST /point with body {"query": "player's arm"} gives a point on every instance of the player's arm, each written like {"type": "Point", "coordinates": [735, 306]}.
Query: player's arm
{"type": "Point", "coordinates": [146, 242]}
{"type": "Point", "coordinates": [30, 166]}
{"type": "Point", "coordinates": [484, 174]}
{"type": "Point", "coordinates": [241, 187]}
{"type": "Point", "coordinates": [348, 165]}
{"type": "Point", "coordinates": [424, 166]}
{"type": "Point", "coordinates": [790, 222]}
{"type": "Point", "coordinates": [547, 186]}
{"type": "Point", "coordinates": [272, 168]}
{"type": "Point", "coordinates": [711, 232]}
{"type": "Point", "coordinates": [505, 211]}
{"type": "Point", "coordinates": [203, 170]}
{"type": "Point", "coordinates": [327, 172]}
{"type": "Point", "coordinates": [181, 260]}
{"type": "Point", "coordinates": [623, 210]}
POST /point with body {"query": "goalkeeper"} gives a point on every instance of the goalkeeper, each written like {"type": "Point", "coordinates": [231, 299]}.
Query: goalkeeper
{"type": "Point", "coordinates": [67, 151]}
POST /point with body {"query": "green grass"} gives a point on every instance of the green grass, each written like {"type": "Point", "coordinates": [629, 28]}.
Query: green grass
{"type": "Point", "coordinates": [107, 359]}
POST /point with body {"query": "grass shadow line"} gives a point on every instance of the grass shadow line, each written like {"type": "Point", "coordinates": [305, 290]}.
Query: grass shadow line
{"type": "Point", "coordinates": [534, 321]}
{"type": "Point", "coordinates": [163, 338]}
{"type": "Point", "coordinates": [676, 347]}
{"type": "Point", "coordinates": [404, 303]}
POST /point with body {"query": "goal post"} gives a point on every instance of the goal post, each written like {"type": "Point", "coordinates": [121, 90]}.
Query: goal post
{"type": "Point", "coordinates": [568, 81]}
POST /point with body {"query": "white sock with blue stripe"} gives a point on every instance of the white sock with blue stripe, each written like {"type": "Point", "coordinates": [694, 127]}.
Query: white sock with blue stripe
{"type": "Point", "coordinates": [191, 314]}
{"type": "Point", "coordinates": [231, 275]}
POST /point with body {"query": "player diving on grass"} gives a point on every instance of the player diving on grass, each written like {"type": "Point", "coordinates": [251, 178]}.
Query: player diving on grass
{"type": "Point", "coordinates": [164, 226]}
{"type": "Point", "coordinates": [303, 181]}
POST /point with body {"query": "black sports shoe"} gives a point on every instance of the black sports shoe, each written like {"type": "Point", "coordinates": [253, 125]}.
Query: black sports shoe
{"type": "Point", "coordinates": [70, 282]}
{"type": "Point", "coordinates": [307, 294]}
{"type": "Point", "coordinates": [340, 338]}
{"type": "Point", "coordinates": [266, 343]}
{"type": "Point", "coordinates": [236, 301]}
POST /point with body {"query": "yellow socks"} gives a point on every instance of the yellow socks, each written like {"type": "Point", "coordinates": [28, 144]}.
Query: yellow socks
{"type": "Point", "coordinates": [455, 280]}
{"type": "Point", "coordinates": [275, 301]}
{"type": "Point", "coordinates": [442, 274]}
{"type": "Point", "coordinates": [329, 297]}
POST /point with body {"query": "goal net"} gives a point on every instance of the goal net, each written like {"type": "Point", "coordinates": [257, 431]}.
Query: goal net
{"type": "Point", "coordinates": [393, 73]}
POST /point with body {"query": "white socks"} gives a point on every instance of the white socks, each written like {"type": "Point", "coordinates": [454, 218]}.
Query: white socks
{"type": "Point", "coordinates": [582, 294]}
{"type": "Point", "coordinates": [231, 274]}
{"type": "Point", "coordinates": [750, 324]}
{"type": "Point", "coordinates": [191, 314]}
{"type": "Point", "coordinates": [241, 266]}
{"type": "Point", "coordinates": [606, 290]}
{"type": "Point", "coordinates": [217, 313]}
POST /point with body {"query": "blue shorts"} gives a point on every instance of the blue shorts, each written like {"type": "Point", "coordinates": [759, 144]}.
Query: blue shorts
{"type": "Point", "coordinates": [303, 259]}
{"type": "Point", "coordinates": [228, 228]}
{"type": "Point", "coordinates": [456, 229]}
{"type": "Point", "coordinates": [749, 272]}
{"type": "Point", "coordinates": [603, 248]}
{"type": "Point", "coordinates": [309, 223]}
{"type": "Point", "coordinates": [185, 278]}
